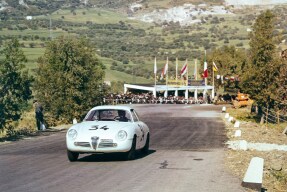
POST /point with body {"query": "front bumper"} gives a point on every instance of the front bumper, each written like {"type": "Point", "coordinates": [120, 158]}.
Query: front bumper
{"type": "Point", "coordinates": [98, 145]}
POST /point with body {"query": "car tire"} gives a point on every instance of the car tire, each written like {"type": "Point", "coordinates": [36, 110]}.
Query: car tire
{"type": "Point", "coordinates": [72, 156]}
{"type": "Point", "coordinates": [145, 149]}
{"type": "Point", "coordinates": [131, 154]}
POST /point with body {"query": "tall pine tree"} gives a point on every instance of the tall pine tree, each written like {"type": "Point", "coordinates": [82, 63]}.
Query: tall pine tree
{"type": "Point", "coordinates": [263, 67]}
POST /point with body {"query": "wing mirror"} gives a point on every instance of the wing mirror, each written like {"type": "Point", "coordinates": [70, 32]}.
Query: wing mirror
{"type": "Point", "coordinates": [75, 121]}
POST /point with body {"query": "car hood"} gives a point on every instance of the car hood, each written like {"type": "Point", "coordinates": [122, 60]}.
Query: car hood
{"type": "Point", "coordinates": [102, 129]}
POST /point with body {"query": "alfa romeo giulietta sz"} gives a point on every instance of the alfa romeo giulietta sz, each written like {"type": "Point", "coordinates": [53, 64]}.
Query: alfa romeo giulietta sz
{"type": "Point", "coordinates": [108, 129]}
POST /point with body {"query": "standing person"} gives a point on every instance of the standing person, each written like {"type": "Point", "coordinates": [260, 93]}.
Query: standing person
{"type": "Point", "coordinates": [39, 114]}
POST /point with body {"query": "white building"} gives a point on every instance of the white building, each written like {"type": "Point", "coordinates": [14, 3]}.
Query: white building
{"type": "Point", "coordinates": [29, 17]}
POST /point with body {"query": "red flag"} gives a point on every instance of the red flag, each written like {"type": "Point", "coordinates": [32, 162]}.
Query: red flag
{"type": "Point", "coordinates": [183, 69]}
{"type": "Point", "coordinates": [164, 70]}
{"type": "Point", "coordinates": [205, 73]}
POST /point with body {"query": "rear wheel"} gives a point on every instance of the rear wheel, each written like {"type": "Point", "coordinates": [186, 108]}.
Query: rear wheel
{"type": "Point", "coordinates": [131, 155]}
{"type": "Point", "coordinates": [146, 147]}
{"type": "Point", "coordinates": [72, 156]}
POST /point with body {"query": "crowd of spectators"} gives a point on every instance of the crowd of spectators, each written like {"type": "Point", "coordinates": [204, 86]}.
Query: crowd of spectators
{"type": "Point", "coordinates": [148, 98]}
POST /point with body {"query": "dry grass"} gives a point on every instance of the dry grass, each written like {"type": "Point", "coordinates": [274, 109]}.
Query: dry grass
{"type": "Point", "coordinates": [25, 126]}
{"type": "Point", "coordinates": [28, 121]}
{"type": "Point", "coordinates": [275, 167]}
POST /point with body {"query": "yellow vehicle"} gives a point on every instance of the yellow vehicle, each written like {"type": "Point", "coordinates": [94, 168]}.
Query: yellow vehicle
{"type": "Point", "coordinates": [242, 100]}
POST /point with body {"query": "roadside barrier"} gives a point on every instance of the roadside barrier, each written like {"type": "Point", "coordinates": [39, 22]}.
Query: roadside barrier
{"type": "Point", "coordinates": [237, 133]}
{"type": "Point", "coordinates": [237, 124]}
{"type": "Point", "coordinates": [254, 174]}
{"type": "Point", "coordinates": [226, 116]}
{"type": "Point", "coordinates": [271, 116]}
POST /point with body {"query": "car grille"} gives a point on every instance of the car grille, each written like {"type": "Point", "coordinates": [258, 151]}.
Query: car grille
{"type": "Point", "coordinates": [82, 144]}
{"type": "Point", "coordinates": [103, 144]}
{"type": "Point", "coordinates": [106, 143]}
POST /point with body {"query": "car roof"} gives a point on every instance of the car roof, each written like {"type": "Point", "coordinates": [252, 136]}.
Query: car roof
{"type": "Point", "coordinates": [121, 107]}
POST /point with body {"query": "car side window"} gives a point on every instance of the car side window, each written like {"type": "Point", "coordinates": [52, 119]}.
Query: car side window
{"type": "Point", "coordinates": [95, 116]}
{"type": "Point", "coordinates": [135, 117]}
{"type": "Point", "coordinates": [92, 116]}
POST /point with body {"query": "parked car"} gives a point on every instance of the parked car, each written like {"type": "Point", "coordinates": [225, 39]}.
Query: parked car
{"type": "Point", "coordinates": [108, 129]}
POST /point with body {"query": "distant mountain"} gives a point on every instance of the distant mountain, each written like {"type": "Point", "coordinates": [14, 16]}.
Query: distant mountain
{"type": "Point", "coordinates": [40, 7]}
{"type": "Point", "coordinates": [254, 2]}
{"type": "Point", "coordinates": [33, 7]}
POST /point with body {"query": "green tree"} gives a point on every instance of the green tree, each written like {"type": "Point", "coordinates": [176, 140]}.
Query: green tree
{"type": "Point", "coordinates": [263, 67]}
{"type": "Point", "coordinates": [280, 94]}
{"type": "Point", "coordinates": [230, 61]}
{"type": "Point", "coordinates": [15, 84]}
{"type": "Point", "coordinates": [69, 79]}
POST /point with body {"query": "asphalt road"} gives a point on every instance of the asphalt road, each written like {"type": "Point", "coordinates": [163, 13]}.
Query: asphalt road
{"type": "Point", "coordinates": [186, 154]}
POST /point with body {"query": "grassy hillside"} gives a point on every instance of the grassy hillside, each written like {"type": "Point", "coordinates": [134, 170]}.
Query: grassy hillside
{"type": "Point", "coordinates": [128, 46]}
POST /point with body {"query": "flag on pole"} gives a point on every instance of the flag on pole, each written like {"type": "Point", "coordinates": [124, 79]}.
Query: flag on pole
{"type": "Point", "coordinates": [195, 70]}
{"type": "Point", "coordinates": [215, 67]}
{"type": "Point", "coordinates": [162, 74]}
{"type": "Point", "coordinates": [166, 67]}
{"type": "Point", "coordinates": [176, 66]}
{"type": "Point", "coordinates": [164, 70]}
{"type": "Point", "coordinates": [205, 73]}
{"type": "Point", "coordinates": [183, 69]}
{"type": "Point", "coordinates": [155, 67]}
{"type": "Point", "coordinates": [155, 70]}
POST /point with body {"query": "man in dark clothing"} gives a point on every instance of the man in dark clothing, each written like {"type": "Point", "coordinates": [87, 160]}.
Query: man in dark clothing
{"type": "Point", "coordinates": [122, 116]}
{"type": "Point", "coordinates": [39, 114]}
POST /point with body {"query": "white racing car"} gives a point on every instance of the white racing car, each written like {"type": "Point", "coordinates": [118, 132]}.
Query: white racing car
{"type": "Point", "coordinates": [108, 129]}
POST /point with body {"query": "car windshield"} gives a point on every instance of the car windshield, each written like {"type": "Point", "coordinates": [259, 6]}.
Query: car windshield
{"type": "Point", "coordinates": [108, 115]}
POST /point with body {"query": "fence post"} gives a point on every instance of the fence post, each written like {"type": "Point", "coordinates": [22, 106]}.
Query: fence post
{"type": "Point", "coordinates": [278, 116]}
{"type": "Point", "coordinates": [267, 114]}
{"type": "Point", "coordinates": [262, 119]}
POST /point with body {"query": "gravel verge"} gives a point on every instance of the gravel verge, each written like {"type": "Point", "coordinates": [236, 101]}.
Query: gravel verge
{"type": "Point", "coordinates": [275, 166]}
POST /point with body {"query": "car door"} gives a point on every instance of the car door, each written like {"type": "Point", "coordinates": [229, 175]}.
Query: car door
{"type": "Point", "coordinates": [141, 130]}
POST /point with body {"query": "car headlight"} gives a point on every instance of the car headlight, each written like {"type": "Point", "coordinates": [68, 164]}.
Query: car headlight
{"type": "Point", "coordinates": [72, 133]}
{"type": "Point", "coordinates": [122, 135]}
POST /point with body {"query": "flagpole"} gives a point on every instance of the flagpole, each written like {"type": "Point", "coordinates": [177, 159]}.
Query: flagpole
{"type": "Point", "coordinates": [166, 77]}
{"type": "Point", "coordinates": [176, 70]}
{"type": "Point", "coordinates": [195, 73]}
{"type": "Point", "coordinates": [213, 90]}
{"type": "Point", "coordinates": [155, 69]}
{"type": "Point", "coordinates": [166, 70]}
{"type": "Point", "coordinates": [186, 72]}
{"type": "Point", "coordinates": [195, 69]}
{"type": "Point", "coordinates": [205, 79]}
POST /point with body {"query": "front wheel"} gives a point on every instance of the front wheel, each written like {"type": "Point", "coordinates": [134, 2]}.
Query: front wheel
{"type": "Point", "coordinates": [131, 154]}
{"type": "Point", "coordinates": [72, 156]}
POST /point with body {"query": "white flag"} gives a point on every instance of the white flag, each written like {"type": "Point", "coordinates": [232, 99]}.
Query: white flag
{"type": "Point", "coordinates": [155, 67]}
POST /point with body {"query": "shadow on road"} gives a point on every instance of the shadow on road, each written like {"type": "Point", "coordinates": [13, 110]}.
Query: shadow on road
{"type": "Point", "coordinates": [111, 157]}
